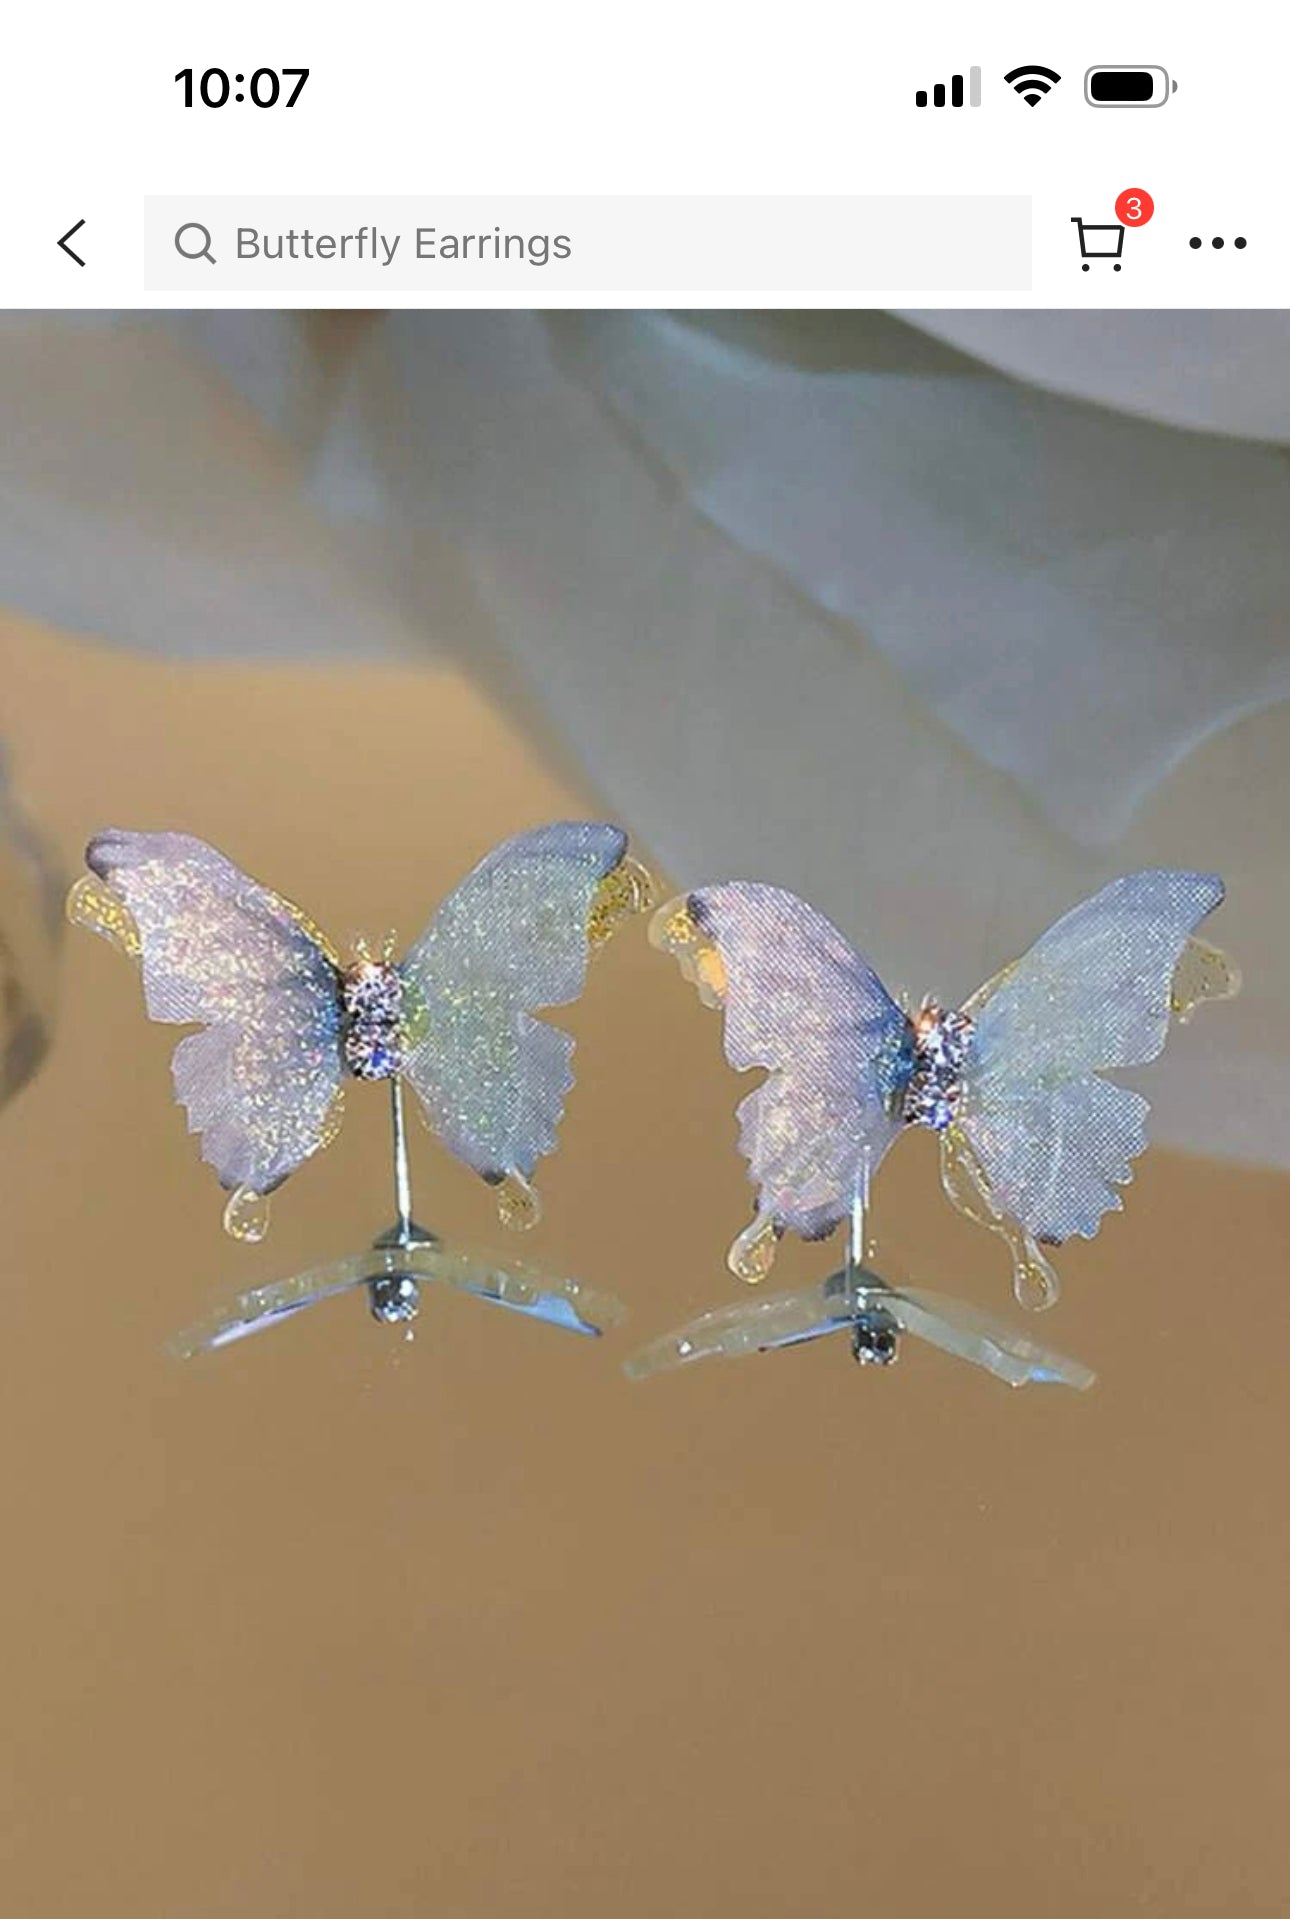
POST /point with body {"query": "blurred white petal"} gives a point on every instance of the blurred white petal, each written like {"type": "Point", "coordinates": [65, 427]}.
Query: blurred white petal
{"type": "Point", "coordinates": [1081, 597]}
{"type": "Point", "coordinates": [143, 499]}
{"type": "Point", "coordinates": [1219, 371]}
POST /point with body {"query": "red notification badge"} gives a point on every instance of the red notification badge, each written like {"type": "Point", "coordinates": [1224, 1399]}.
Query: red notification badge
{"type": "Point", "coordinates": [1134, 207]}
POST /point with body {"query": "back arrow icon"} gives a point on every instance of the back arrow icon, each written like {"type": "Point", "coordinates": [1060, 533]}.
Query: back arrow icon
{"type": "Point", "coordinates": [72, 250]}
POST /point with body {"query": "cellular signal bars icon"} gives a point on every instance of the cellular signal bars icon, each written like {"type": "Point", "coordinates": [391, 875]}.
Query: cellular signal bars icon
{"type": "Point", "coordinates": [956, 91]}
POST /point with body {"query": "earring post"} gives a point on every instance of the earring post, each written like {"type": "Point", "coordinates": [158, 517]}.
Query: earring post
{"type": "Point", "coordinates": [402, 1170]}
{"type": "Point", "coordinates": [857, 1222]}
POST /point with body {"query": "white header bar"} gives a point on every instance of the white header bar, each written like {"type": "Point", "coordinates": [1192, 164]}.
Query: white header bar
{"type": "Point", "coordinates": [816, 148]}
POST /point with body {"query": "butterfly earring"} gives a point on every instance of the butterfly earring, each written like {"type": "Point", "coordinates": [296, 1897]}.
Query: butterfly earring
{"type": "Point", "coordinates": [857, 1300]}
{"type": "Point", "coordinates": [1034, 1140]}
{"type": "Point", "coordinates": [285, 1022]}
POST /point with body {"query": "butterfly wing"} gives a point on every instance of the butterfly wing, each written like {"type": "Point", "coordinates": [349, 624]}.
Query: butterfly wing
{"type": "Point", "coordinates": [260, 1083]}
{"type": "Point", "coordinates": [800, 1001]}
{"type": "Point", "coordinates": [513, 937]}
{"type": "Point", "coordinates": [1051, 1138]}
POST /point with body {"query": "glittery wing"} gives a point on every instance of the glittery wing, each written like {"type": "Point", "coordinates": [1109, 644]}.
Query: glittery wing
{"type": "Point", "coordinates": [261, 1081]}
{"type": "Point", "coordinates": [512, 938]}
{"type": "Point", "coordinates": [799, 1000]}
{"type": "Point", "coordinates": [1047, 1137]}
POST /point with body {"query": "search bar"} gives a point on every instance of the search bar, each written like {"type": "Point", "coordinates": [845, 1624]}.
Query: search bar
{"type": "Point", "coordinates": [926, 243]}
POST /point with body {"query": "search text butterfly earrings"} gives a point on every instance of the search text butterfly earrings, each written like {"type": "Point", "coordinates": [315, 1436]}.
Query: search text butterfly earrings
{"type": "Point", "coordinates": [286, 1021]}
{"type": "Point", "coordinates": [1033, 1139]}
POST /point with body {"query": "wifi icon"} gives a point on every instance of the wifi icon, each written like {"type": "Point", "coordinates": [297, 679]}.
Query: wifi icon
{"type": "Point", "coordinates": [1032, 83]}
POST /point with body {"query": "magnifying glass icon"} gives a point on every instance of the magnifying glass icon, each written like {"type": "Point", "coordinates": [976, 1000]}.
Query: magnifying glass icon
{"type": "Point", "coordinates": [184, 246]}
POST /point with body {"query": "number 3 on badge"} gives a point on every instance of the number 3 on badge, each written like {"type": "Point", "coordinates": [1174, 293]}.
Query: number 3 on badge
{"type": "Point", "coordinates": [1134, 207]}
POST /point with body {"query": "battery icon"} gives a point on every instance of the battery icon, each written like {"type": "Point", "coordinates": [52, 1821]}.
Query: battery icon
{"type": "Point", "coordinates": [1128, 86]}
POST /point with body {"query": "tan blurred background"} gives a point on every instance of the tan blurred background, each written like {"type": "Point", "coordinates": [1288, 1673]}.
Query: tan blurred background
{"type": "Point", "coordinates": [333, 1624]}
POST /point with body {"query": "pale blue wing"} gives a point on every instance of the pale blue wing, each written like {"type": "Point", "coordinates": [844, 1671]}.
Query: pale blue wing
{"type": "Point", "coordinates": [768, 1321]}
{"type": "Point", "coordinates": [513, 937]}
{"type": "Point", "coordinates": [1052, 1139]}
{"type": "Point", "coordinates": [565, 1303]}
{"type": "Point", "coordinates": [799, 1000]}
{"type": "Point", "coordinates": [260, 1083]}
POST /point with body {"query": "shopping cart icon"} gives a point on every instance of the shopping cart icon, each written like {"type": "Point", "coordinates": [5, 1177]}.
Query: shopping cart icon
{"type": "Point", "coordinates": [1099, 242]}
